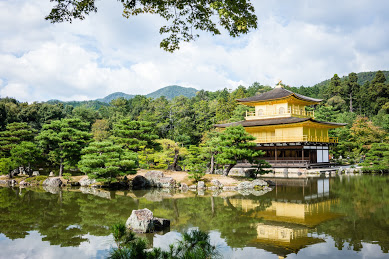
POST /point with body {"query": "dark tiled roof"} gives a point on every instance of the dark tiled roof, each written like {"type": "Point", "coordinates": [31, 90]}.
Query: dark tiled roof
{"type": "Point", "coordinates": [330, 123]}
{"type": "Point", "coordinates": [276, 121]}
{"type": "Point", "coordinates": [277, 93]}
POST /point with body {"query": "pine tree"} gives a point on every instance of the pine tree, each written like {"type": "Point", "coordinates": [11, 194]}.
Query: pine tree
{"type": "Point", "coordinates": [377, 159]}
{"type": "Point", "coordinates": [134, 135]}
{"type": "Point", "coordinates": [352, 88]}
{"type": "Point", "coordinates": [211, 148]}
{"type": "Point", "coordinates": [235, 145]}
{"type": "Point", "coordinates": [25, 154]}
{"type": "Point", "coordinates": [63, 140]}
{"type": "Point", "coordinates": [14, 134]}
{"type": "Point", "coordinates": [379, 92]}
{"type": "Point", "coordinates": [7, 165]}
{"type": "Point", "coordinates": [195, 163]}
{"type": "Point", "coordinates": [335, 87]}
{"type": "Point", "coordinates": [106, 160]}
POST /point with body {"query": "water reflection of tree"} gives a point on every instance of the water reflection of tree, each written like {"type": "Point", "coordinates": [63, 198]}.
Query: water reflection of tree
{"type": "Point", "coordinates": [66, 217]}
{"type": "Point", "coordinates": [61, 219]}
{"type": "Point", "coordinates": [365, 203]}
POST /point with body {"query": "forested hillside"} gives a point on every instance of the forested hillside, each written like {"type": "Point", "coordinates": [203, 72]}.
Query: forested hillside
{"type": "Point", "coordinates": [114, 96]}
{"type": "Point", "coordinates": [169, 92]}
{"type": "Point", "coordinates": [160, 133]}
{"type": "Point", "coordinates": [173, 91]}
{"type": "Point", "coordinates": [363, 77]}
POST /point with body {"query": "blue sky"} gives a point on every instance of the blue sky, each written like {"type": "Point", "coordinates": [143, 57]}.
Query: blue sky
{"type": "Point", "coordinates": [299, 42]}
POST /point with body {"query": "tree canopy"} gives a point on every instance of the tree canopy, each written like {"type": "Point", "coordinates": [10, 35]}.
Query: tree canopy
{"type": "Point", "coordinates": [184, 17]}
{"type": "Point", "coordinates": [63, 140]}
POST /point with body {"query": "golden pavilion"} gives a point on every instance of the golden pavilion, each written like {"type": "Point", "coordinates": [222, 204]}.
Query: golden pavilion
{"type": "Point", "coordinates": [285, 130]}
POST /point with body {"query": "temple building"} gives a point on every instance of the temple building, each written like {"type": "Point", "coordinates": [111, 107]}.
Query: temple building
{"type": "Point", "coordinates": [286, 131]}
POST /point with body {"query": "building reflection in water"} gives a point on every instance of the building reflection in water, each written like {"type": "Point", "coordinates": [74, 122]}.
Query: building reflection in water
{"type": "Point", "coordinates": [297, 207]}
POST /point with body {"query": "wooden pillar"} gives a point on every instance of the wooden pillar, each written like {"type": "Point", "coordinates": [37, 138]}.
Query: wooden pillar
{"type": "Point", "coordinates": [302, 153]}
{"type": "Point", "coordinates": [275, 153]}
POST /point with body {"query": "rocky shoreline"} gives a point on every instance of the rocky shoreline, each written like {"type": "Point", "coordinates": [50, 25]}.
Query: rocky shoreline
{"type": "Point", "coordinates": [150, 180]}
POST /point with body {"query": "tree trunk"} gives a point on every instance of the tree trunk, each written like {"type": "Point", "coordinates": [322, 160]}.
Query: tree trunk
{"type": "Point", "coordinates": [229, 169]}
{"type": "Point", "coordinates": [351, 103]}
{"type": "Point", "coordinates": [212, 164]}
{"type": "Point", "coordinates": [61, 167]}
{"type": "Point", "coordinates": [175, 161]}
{"type": "Point", "coordinates": [213, 206]}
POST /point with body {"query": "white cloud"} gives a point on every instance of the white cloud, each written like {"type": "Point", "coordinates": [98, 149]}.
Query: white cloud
{"type": "Point", "coordinates": [301, 43]}
{"type": "Point", "coordinates": [15, 90]}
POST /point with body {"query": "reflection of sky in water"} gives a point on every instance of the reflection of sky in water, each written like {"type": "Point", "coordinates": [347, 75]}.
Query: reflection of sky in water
{"type": "Point", "coordinates": [322, 250]}
{"type": "Point", "coordinates": [326, 250]}
{"type": "Point", "coordinates": [32, 246]}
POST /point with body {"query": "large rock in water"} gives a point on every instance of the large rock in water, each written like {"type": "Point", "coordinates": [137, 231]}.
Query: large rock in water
{"type": "Point", "coordinates": [53, 181]}
{"type": "Point", "coordinates": [157, 179]}
{"type": "Point", "coordinates": [167, 182]}
{"type": "Point", "coordinates": [259, 182]}
{"type": "Point", "coordinates": [154, 177]}
{"type": "Point", "coordinates": [216, 183]}
{"type": "Point", "coordinates": [143, 221]}
{"type": "Point", "coordinates": [245, 185]}
{"type": "Point", "coordinates": [200, 185]}
{"type": "Point", "coordinates": [85, 181]}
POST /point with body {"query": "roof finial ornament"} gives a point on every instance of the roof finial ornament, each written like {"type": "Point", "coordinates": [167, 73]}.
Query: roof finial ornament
{"type": "Point", "coordinates": [279, 84]}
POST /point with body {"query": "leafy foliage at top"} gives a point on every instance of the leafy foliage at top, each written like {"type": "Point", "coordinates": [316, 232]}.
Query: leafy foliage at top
{"type": "Point", "coordinates": [185, 17]}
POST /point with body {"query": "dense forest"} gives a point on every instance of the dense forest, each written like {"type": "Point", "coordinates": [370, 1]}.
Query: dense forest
{"type": "Point", "coordinates": [143, 132]}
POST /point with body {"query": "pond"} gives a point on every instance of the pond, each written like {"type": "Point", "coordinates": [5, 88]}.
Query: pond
{"type": "Point", "coordinates": [338, 217]}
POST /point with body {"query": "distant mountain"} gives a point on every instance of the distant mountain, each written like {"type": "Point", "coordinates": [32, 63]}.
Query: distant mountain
{"type": "Point", "coordinates": [169, 92]}
{"type": "Point", "coordinates": [94, 104]}
{"type": "Point", "coordinates": [172, 91]}
{"type": "Point", "coordinates": [114, 96]}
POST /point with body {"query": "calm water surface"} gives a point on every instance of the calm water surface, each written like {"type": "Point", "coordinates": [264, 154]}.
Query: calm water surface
{"type": "Point", "coordinates": [342, 217]}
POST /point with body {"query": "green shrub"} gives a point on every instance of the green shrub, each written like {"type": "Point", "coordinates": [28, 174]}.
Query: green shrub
{"type": "Point", "coordinates": [67, 176]}
{"type": "Point", "coordinates": [30, 179]}
{"type": "Point", "coordinates": [41, 178]}
{"type": "Point", "coordinates": [194, 244]}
